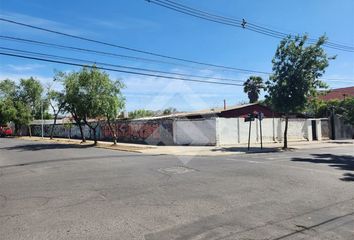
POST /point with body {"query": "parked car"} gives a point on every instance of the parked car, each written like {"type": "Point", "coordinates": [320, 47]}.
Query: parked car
{"type": "Point", "coordinates": [5, 131]}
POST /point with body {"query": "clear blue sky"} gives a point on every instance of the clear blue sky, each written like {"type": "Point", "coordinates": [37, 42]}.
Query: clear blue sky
{"type": "Point", "coordinates": [145, 26]}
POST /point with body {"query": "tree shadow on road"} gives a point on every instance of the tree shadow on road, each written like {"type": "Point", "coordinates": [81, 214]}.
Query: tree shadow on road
{"type": "Point", "coordinates": [83, 158]}
{"type": "Point", "coordinates": [245, 150]}
{"type": "Point", "coordinates": [45, 146]}
{"type": "Point", "coordinates": [348, 177]}
{"type": "Point", "coordinates": [341, 162]}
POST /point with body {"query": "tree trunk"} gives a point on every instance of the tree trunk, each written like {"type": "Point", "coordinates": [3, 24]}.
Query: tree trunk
{"type": "Point", "coordinates": [286, 132]}
{"type": "Point", "coordinates": [94, 135]}
{"type": "Point", "coordinates": [82, 133]}
{"type": "Point", "coordinates": [78, 122]}
{"type": "Point", "coordinates": [94, 129]}
{"type": "Point", "coordinates": [52, 130]}
{"type": "Point", "coordinates": [113, 132]}
{"type": "Point", "coordinates": [29, 130]}
{"type": "Point", "coordinates": [17, 132]}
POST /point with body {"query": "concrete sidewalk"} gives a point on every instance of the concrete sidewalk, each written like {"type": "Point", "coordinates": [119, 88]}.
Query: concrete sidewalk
{"type": "Point", "coordinates": [242, 148]}
{"type": "Point", "coordinates": [201, 150]}
{"type": "Point", "coordinates": [130, 147]}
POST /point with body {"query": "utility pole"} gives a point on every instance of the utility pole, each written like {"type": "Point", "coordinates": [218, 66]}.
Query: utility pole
{"type": "Point", "coordinates": [333, 125]}
{"type": "Point", "coordinates": [250, 118]}
{"type": "Point", "coordinates": [260, 117]}
{"type": "Point", "coordinates": [249, 136]}
{"type": "Point", "coordinates": [42, 119]}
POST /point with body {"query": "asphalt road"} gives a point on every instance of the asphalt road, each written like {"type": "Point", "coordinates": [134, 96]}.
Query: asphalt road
{"type": "Point", "coordinates": [55, 191]}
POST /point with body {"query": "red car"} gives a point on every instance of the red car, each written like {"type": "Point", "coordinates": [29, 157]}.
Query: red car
{"type": "Point", "coordinates": [5, 131]}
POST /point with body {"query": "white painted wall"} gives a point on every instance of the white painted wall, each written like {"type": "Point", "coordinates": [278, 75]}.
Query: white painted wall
{"type": "Point", "coordinates": [269, 134]}
{"type": "Point", "coordinates": [227, 131]}
{"type": "Point", "coordinates": [244, 131]}
{"type": "Point", "coordinates": [231, 131]}
{"type": "Point", "coordinates": [343, 130]}
{"type": "Point", "coordinates": [297, 129]}
{"type": "Point", "coordinates": [194, 132]}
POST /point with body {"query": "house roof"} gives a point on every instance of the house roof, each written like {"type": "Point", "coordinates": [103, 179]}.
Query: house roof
{"type": "Point", "coordinates": [338, 93]}
{"type": "Point", "coordinates": [212, 111]}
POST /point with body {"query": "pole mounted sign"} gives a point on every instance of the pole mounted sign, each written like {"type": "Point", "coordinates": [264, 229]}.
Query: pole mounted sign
{"type": "Point", "coordinates": [250, 118]}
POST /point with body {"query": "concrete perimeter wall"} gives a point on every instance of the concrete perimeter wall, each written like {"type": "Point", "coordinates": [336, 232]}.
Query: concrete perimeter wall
{"type": "Point", "coordinates": [195, 132]}
{"type": "Point", "coordinates": [147, 132]}
{"type": "Point", "coordinates": [157, 132]}
{"type": "Point", "coordinates": [343, 130]}
{"type": "Point", "coordinates": [231, 131]}
{"type": "Point", "coordinates": [213, 131]}
{"type": "Point", "coordinates": [61, 130]}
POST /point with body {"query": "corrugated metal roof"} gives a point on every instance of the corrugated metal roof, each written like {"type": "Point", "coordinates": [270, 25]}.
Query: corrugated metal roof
{"type": "Point", "coordinates": [198, 113]}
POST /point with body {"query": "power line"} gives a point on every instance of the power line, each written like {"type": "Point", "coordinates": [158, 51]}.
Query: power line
{"type": "Point", "coordinates": [60, 46]}
{"type": "Point", "coordinates": [96, 52]}
{"type": "Point", "coordinates": [41, 43]}
{"type": "Point", "coordinates": [118, 66]}
{"type": "Point", "coordinates": [238, 23]}
{"type": "Point", "coordinates": [115, 70]}
{"type": "Point", "coordinates": [235, 22]}
{"type": "Point", "coordinates": [136, 50]}
{"type": "Point", "coordinates": [127, 48]}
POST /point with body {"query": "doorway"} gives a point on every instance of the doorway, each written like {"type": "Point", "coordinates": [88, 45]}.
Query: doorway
{"type": "Point", "coordinates": [314, 132]}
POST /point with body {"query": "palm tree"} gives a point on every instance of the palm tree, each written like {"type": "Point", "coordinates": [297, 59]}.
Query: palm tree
{"type": "Point", "coordinates": [253, 87]}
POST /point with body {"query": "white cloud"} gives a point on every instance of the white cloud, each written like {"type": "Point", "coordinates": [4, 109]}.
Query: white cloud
{"type": "Point", "coordinates": [123, 23]}
{"type": "Point", "coordinates": [24, 67]}
{"type": "Point", "coordinates": [36, 21]}
{"type": "Point", "coordinates": [16, 77]}
{"type": "Point", "coordinates": [156, 93]}
{"type": "Point", "coordinates": [152, 92]}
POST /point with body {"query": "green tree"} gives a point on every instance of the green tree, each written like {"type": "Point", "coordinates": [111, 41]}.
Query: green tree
{"type": "Point", "coordinates": [30, 92]}
{"type": "Point", "coordinates": [8, 89]}
{"type": "Point", "coordinates": [56, 100]}
{"type": "Point", "coordinates": [72, 97]}
{"type": "Point", "coordinates": [7, 97]}
{"type": "Point", "coordinates": [23, 116]}
{"type": "Point", "coordinates": [113, 102]}
{"type": "Point", "coordinates": [67, 126]}
{"type": "Point", "coordinates": [91, 95]}
{"type": "Point", "coordinates": [253, 87]}
{"type": "Point", "coordinates": [12, 107]}
{"type": "Point", "coordinates": [347, 107]}
{"type": "Point", "coordinates": [169, 111]}
{"type": "Point", "coordinates": [297, 68]}
{"type": "Point", "coordinates": [7, 111]}
{"type": "Point", "coordinates": [141, 113]}
{"type": "Point", "coordinates": [343, 108]}
{"type": "Point", "coordinates": [30, 95]}
{"type": "Point", "coordinates": [319, 108]}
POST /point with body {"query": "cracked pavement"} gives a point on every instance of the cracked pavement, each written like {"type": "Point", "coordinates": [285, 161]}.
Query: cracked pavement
{"type": "Point", "coordinates": [56, 191]}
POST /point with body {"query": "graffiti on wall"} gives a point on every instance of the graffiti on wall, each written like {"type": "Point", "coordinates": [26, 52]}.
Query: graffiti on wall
{"type": "Point", "coordinates": [133, 131]}
{"type": "Point", "coordinates": [60, 131]}
{"type": "Point", "coordinates": [151, 132]}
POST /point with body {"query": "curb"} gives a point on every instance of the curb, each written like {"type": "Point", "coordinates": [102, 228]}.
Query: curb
{"type": "Point", "coordinates": [111, 147]}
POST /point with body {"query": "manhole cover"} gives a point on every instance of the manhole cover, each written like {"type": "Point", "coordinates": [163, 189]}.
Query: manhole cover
{"type": "Point", "coordinates": [176, 170]}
